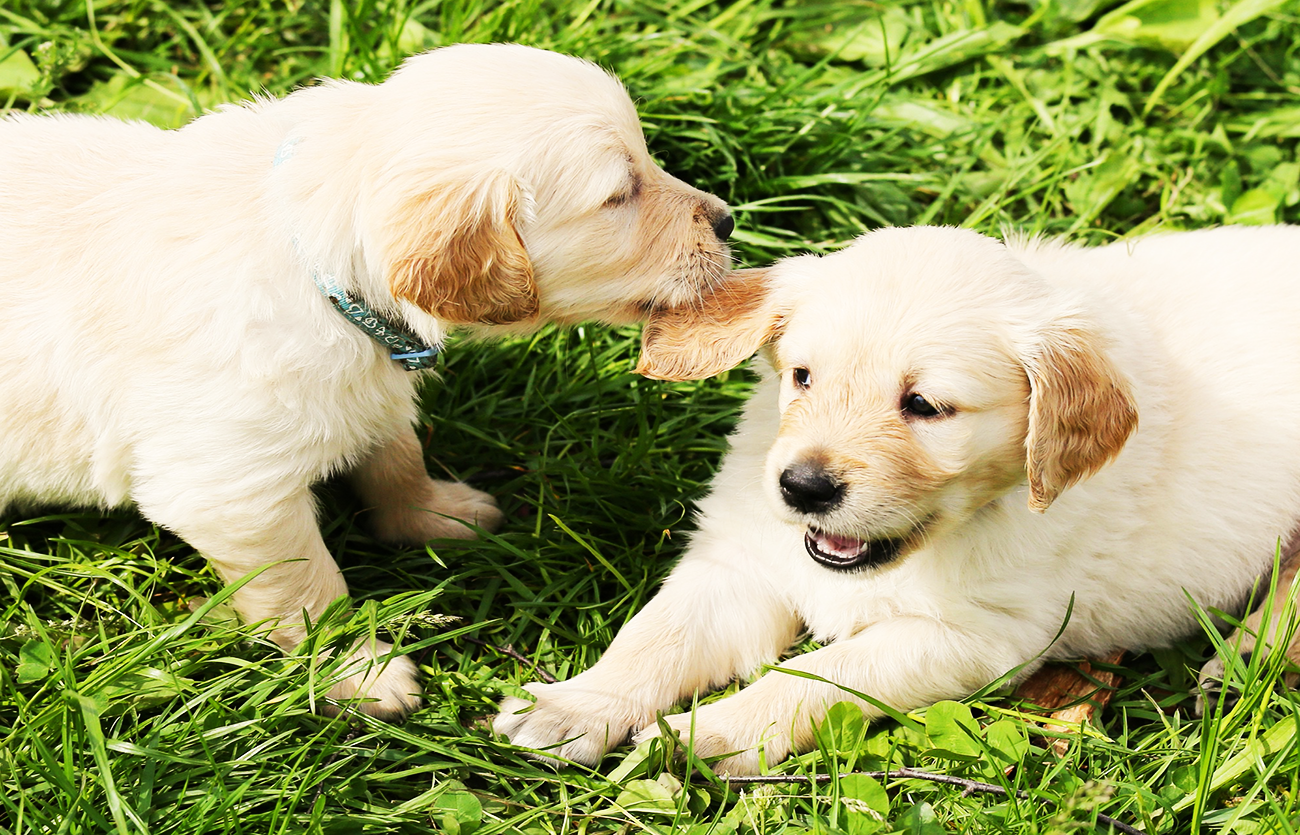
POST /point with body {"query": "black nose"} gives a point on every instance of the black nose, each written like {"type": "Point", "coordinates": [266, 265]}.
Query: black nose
{"type": "Point", "coordinates": [808, 488]}
{"type": "Point", "coordinates": [724, 226]}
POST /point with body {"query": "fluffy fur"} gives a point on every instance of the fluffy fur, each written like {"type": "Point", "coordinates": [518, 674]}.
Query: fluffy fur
{"type": "Point", "coordinates": [164, 343]}
{"type": "Point", "coordinates": [1114, 426]}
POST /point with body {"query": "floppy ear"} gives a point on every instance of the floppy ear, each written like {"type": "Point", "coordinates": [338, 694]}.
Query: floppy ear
{"type": "Point", "coordinates": [717, 333]}
{"type": "Point", "coordinates": [455, 252]}
{"type": "Point", "coordinates": [1081, 412]}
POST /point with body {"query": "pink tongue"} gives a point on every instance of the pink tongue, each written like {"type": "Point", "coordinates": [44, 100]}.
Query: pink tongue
{"type": "Point", "coordinates": [839, 544]}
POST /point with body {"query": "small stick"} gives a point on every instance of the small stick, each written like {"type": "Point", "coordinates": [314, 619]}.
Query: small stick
{"type": "Point", "coordinates": [968, 787]}
{"type": "Point", "coordinates": [509, 651]}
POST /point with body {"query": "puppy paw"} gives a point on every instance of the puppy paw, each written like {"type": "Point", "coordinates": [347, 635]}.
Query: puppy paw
{"type": "Point", "coordinates": [426, 517]}
{"type": "Point", "coordinates": [1211, 690]}
{"type": "Point", "coordinates": [718, 730]}
{"type": "Point", "coordinates": [386, 688]}
{"type": "Point", "coordinates": [568, 721]}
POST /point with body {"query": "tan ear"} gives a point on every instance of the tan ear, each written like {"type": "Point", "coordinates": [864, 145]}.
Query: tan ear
{"type": "Point", "coordinates": [1081, 412]}
{"type": "Point", "coordinates": [720, 331]}
{"type": "Point", "coordinates": [455, 252]}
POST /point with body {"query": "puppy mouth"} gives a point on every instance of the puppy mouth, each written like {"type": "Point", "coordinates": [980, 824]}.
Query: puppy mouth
{"type": "Point", "coordinates": [844, 553]}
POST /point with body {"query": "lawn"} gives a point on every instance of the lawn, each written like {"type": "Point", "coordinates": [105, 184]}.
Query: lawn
{"type": "Point", "coordinates": [130, 701]}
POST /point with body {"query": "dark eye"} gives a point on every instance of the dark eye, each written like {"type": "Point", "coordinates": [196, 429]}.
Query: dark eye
{"type": "Point", "coordinates": [802, 378]}
{"type": "Point", "coordinates": [916, 405]}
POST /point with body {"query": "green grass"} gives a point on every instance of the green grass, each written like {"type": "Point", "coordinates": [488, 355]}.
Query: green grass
{"type": "Point", "coordinates": [129, 704]}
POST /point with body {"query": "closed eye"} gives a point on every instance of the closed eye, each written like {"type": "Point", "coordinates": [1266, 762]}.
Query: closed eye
{"type": "Point", "coordinates": [627, 194]}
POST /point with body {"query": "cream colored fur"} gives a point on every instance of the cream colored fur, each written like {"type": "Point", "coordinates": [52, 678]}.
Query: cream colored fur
{"type": "Point", "coordinates": [164, 344]}
{"type": "Point", "coordinates": [1118, 428]}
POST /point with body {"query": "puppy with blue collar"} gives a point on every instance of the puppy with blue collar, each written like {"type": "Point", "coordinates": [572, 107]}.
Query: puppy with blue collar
{"type": "Point", "coordinates": [203, 323]}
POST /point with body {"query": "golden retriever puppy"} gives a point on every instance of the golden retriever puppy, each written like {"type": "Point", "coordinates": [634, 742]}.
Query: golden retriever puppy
{"type": "Point", "coordinates": [206, 322]}
{"type": "Point", "coordinates": [954, 442]}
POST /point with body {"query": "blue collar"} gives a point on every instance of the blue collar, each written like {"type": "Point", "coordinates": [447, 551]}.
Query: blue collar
{"type": "Point", "coordinates": [405, 348]}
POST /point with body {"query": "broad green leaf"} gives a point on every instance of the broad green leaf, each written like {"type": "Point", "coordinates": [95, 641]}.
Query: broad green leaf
{"type": "Point", "coordinates": [647, 796]}
{"type": "Point", "coordinates": [35, 661]}
{"type": "Point", "coordinates": [19, 77]}
{"type": "Point", "coordinates": [1169, 24]}
{"type": "Point", "coordinates": [919, 820]}
{"type": "Point", "coordinates": [923, 116]}
{"type": "Point", "coordinates": [461, 811]}
{"type": "Point", "coordinates": [875, 41]}
{"type": "Point", "coordinates": [140, 687]}
{"type": "Point", "coordinates": [1007, 741]}
{"type": "Point", "coordinates": [414, 37]}
{"type": "Point", "coordinates": [952, 731]}
{"type": "Point", "coordinates": [1172, 25]}
{"type": "Point", "coordinates": [866, 789]}
{"type": "Point", "coordinates": [842, 728]}
{"type": "Point", "coordinates": [1256, 207]}
{"type": "Point", "coordinates": [955, 48]}
{"type": "Point", "coordinates": [637, 762]}
{"type": "Point", "coordinates": [135, 99]}
{"type": "Point", "coordinates": [865, 804]}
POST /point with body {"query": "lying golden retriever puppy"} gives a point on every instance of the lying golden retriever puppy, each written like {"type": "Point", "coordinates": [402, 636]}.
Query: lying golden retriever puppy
{"type": "Point", "coordinates": [206, 322]}
{"type": "Point", "coordinates": [953, 440]}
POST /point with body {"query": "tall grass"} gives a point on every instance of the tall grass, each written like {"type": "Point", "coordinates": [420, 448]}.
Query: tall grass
{"type": "Point", "coordinates": [131, 701]}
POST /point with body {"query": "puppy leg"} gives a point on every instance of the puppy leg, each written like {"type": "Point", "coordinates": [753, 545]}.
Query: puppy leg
{"type": "Point", "coordinates": [1245, 640]}
{"type": "Point", "coordinates": [709, 623]}
{"type": "Point", "coordinates": [408, 506]}
{"type": "Point", "coordinates": [279, 533]}
{"type": "Point", "coordinates": [906, 662]}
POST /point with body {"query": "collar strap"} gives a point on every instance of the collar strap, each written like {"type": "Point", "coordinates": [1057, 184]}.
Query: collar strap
{"type": "Point", "coordinates": [404, 347]}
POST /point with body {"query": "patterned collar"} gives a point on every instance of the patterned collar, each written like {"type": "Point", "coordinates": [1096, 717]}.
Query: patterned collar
{"type": "Point", "coordinates": [405, 348]}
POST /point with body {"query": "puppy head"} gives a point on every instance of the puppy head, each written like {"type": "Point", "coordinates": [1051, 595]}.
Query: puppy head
{"type": "Point", "coordinates": [502, 184]}
{"type": "Point", "coordinates": [922, 374]}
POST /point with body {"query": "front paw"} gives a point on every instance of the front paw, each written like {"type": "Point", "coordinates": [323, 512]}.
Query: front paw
{"type": "Point", "coordinates": [1212, 689]}
{"type": "Point", "coordinates": [386, 688]}
{"type": "Point", "coordinates": [427, 517]}
{"type": "Point", "coordinates": [568, 720]}
{"type": "Point", "coordinates": [724, 730]}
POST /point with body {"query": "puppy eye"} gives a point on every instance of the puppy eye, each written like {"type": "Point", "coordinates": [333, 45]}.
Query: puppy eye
{"type": "Point", "coordinates": [802, 378]}
{"type": "Point", "coordinates": [627, 194]}
{"type": "Point", "coordinates": [917, 406]}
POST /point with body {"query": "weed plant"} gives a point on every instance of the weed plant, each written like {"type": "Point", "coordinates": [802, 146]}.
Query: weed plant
{"type": "Point", "coordinates": [130, 699]}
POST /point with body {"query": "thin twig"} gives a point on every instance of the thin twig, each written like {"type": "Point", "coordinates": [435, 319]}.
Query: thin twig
{"type": "Point", "coordinates": [968, 787]}
{"type": "Point", "coordinates": [507, 650]}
